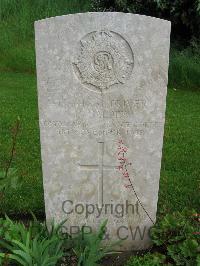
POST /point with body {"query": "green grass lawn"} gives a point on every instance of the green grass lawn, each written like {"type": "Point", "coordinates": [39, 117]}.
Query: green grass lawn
{"type": "Point", "coordinates": [18, 98]}
{"type": "Point", "coordinates": [180, 173]}
{"type": "Point", "coordinates": [179, 186]}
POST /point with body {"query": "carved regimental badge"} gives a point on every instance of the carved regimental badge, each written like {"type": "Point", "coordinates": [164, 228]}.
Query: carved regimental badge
{"type": "Point", "coordinates": [104, 59]}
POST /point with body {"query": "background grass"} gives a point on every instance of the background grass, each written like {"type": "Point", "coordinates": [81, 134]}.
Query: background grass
{"type": "Point", "coordinates": [179, 186]}
{"type": "Point", "coordinates": [17, 28]}
{"type": "Point", "coordinates": [180, 173]}
{"type": "Point", "coordinates": [18, 97]}
{"type": "Point", "coordinates": [184, 68]}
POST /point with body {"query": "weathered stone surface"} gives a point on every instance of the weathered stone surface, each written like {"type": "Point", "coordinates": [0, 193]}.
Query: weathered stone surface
{"type": "Point", "coordinates": [102, 81]}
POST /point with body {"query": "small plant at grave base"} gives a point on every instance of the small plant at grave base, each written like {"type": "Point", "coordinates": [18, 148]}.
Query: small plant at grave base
{"type": "Point", "coordinates": [31, 245]}
{"type": "Point", "coordinates": [176, 235]}
{"type": "Point", "coordinates": [88, 247]}
{"type": "Point", "coordinates": [9, 177]}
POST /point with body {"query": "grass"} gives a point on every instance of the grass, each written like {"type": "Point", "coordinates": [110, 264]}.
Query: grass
{"type": "Point", "coordinates": [180, 173]}
{"type": "Point", "coordinates": [180, 165]}
{"type": "Point", "coordinates": [18, 98]}
{"type": "Point", "coordinates": [17, 31]}
{"type": "Point", "coordinates": [184, 68]}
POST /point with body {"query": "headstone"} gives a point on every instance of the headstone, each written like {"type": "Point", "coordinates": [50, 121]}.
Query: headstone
{"type": "Point", "coordinates": [102, 83]}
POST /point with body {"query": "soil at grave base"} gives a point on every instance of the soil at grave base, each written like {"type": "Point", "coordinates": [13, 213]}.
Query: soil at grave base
{"type": "Point", "coordinates": [23, 217]}
{"type": "Point", "coordinates": [118, 259]}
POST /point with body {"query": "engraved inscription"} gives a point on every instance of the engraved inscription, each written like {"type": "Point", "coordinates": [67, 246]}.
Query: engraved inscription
{"type": "Point", "coordinates": [100, 167]}
{"type": "Point", "coordinates": [82, 128]}
{"type": "Point", "coordinates": [104, 59]}
{"type": "Point", "coordinates": [130, 105]}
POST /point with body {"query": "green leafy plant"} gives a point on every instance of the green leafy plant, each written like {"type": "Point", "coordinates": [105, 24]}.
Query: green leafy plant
{"type": "Point", "coordinates": [175, 227]}
{"type": "Point", "coordinates": [36, 245]}
{"type": "Point", "coordinates": [89, 249]}
{"type": "Point", "coordinates": [175, 233]}
{"type": "Point", "coordinates": [30, 245]}
{"type": "Point", "coordinates": [35, 252]}
{"type": "Point", "coordinates": [184, 253]}
{"type": "Point", "coordinates": [174, 236]}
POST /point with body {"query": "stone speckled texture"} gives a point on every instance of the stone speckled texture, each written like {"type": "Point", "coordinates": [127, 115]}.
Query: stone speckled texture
{"type": "Point", "coordinates": [102, 83]}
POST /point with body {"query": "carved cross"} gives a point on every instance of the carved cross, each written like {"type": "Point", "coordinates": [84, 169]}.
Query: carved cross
{"type": "Point", "coordinates": [100, 166]}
